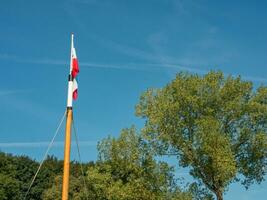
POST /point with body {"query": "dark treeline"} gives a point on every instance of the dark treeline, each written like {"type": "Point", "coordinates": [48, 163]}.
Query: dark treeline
{"type": "Point", "coordinates": [16, 173]}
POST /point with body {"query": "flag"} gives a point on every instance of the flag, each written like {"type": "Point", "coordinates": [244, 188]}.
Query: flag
{"type": "Point", "coordinates": [74, 63]}
{"type": "Point", "coordinates": [75, 89]}
{"type": "Point", "coordinates": [74, 72]}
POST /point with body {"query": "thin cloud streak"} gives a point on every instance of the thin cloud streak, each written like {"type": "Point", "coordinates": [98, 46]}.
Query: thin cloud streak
{"type": "Point", "coordinates": [32, 61]}
{"type": "Point", "coordinates": [128, 66]}
{"type": "Point", "coordinates": [42, 144]}
{"type": "Point", "coordinates": [11, 92]}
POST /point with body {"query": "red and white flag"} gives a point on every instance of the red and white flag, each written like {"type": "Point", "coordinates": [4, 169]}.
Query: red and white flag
{"type": "Point", "coordinates": [74, 64]}
{"type": "Point", "coordinates": [74, 72]}
{"type": "Point", "coordinates": [75, 89]}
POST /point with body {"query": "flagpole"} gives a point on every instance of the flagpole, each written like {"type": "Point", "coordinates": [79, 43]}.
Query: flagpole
{"type": "Point", "coordinates": [66, 170]}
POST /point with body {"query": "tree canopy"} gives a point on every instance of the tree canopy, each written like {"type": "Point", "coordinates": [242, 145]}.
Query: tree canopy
{"type": "Point", "coordinates": [125, 170]}
{"type": "Point", "coordinates": [132, 166]}
{"type": "Point", "coordinates": [215, 125]}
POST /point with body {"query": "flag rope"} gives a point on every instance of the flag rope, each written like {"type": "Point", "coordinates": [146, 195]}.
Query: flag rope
{"type": "Point", "coordinates": [79, 155]}
{"type": "Point", "coordinates": [45, 155]}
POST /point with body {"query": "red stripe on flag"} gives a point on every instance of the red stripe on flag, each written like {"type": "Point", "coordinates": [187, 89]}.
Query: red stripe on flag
{"type": "Point", "coordinates": [75, 67]}
{"type": "Point", "coordinates": [75, 94]}
{"type": "Point", "coordinates": [75, 89]}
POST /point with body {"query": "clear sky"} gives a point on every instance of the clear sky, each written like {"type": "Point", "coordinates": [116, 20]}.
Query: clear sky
{"type": "Point", "coordinates": [124, 47]}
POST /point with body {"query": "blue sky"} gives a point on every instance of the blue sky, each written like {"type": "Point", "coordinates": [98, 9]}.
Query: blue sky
{"type": "Point", "coordinates": [124, 47]}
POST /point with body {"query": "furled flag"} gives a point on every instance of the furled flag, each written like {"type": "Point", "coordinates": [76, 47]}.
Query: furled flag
{"type": "Point", "coordinates": [74, 72]}
{"type": "Point", "coordinates": [75, 89]}
{"type": "Point", "coordinates": [75, 66]}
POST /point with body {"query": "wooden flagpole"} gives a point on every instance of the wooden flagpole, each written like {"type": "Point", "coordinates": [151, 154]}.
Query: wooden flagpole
{"type": "Point", "coordinates": [66, 170]}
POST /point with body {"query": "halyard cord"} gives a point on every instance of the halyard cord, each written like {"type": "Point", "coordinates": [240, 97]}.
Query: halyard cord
{"type": "Point", "coordinates": [80, 160]}
{"type": "Point", "coordinates": [45, 155]}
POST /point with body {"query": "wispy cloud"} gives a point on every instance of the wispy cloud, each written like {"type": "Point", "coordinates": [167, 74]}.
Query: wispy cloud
{"type": "Point", "coordinates": [161, 63]}
{"type": "Point", "coordinates": [42, 61]}
{"type": "Point", "coordinates": [142, 66]}
{"type": "Point", "coordinates": [42, 144]}
{"type": "Point", "coordinates": [130, 66]}
{"type": "Point", "coordinates": [208, 48]}
{"type": "Point", "coordinates": [11, 92]}
{"type": "Point", "coordinates": [145, 66]}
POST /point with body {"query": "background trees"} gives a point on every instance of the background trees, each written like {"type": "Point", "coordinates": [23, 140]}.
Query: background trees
{"type": "Point", "coordinates": [215, 125]}
{"type": "Point", "coordinates": [130, 162]}
{"type": "Point", "coordinates": [125, 170]}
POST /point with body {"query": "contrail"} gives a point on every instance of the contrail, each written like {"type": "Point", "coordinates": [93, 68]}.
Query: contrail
{"type": "Point", "coordinates": [10, 92]}
{"type": "Point", "coordinates": [125, 66]}
{"type": "Point", "coordinates": [42, 144]}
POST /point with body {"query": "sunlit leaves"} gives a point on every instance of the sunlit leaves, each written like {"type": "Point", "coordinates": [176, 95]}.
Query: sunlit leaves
{"type": "Point", "coordinates": [215, 125]}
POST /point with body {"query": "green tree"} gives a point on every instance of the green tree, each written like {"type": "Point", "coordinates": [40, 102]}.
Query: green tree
{"type": "Point", "coordinates": [125, 170]}
{"type": "Point", "coordinates": [133, 173]}
{"type": "Point", "coordinates": [215, 125]}
{"type": "Point", "coordinates": [9, 188]}
{"type": "Point", "coordinates": [76, 189]}
{"type": "Point", "coordinates": [15, 171]}
{"type": "Point", "coordinates": [52, 186]}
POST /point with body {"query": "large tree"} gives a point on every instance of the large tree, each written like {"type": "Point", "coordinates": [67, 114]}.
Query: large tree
{"type": "Point", "coordinates": [135, 173]}
{"type": "Point", "coordinates": [215, 125]}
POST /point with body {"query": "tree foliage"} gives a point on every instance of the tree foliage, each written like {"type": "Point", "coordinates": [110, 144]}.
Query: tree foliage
{"type": "Point", "coordinates": [125, 170]}
{"type": "Point", "coordinates": [135, 173]}
{"type": "Point", "coordinates": [215, 125]}
{"type": "Point", "coordinates": [16, 173]}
